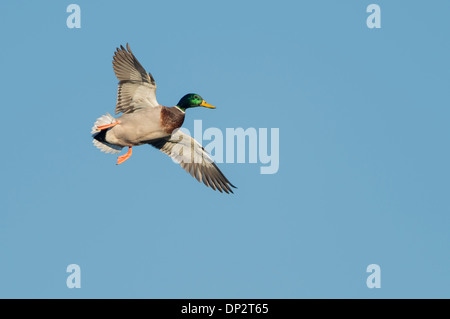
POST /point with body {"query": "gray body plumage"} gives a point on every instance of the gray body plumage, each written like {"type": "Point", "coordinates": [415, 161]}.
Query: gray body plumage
{"type": "Point", "coordinates": [141, 123]}
{"type": "Point", "coordinates": [137, 128]}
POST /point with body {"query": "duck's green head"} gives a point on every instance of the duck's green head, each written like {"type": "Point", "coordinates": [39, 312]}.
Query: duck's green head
{"type": "Point", "coordinates": [193, 100]}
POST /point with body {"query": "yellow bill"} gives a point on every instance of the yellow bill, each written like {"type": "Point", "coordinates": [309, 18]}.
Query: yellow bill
{"type": "Point", "coordinates": [204, 104]}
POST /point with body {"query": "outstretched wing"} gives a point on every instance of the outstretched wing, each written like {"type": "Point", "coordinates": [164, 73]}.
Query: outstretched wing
{"type": "Point", "coordinates": [193, 159]}
{"type": "Point", "coordinates": [136, 88]}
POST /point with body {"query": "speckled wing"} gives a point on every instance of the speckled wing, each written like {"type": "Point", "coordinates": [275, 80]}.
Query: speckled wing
{"type": "Point", "coordinates": [193, 158]}
{"type": "Point", "coordinates": [136, 88]}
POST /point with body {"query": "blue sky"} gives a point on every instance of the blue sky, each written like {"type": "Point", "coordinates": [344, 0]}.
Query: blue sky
{"type": "Point", "coordinates": [363, 178]}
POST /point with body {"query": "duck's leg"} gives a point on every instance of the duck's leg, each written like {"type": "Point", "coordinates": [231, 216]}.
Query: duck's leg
{"type": "Point", "coordinates": [104, 127]}
{"type": "Point", "coordinates": [124, 157]}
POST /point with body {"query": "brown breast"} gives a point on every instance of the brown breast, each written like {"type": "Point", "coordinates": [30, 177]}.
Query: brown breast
{"type": "Point", "coordinates": [171, 118]}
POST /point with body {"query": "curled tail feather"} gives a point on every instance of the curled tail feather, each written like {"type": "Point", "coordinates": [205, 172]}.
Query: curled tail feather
{"type": "Point", "coordinates": [100, 136]}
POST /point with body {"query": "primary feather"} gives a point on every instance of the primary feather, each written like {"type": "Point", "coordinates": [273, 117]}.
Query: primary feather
{"type": "Point", "coordinates": [145, 121]}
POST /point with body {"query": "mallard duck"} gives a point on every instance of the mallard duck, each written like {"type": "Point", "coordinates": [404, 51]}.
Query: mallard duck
{"type": "Point", "coordinates": [145, 121]}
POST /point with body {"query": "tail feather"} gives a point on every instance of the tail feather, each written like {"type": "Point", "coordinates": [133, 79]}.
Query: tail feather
{"type": "Point", "coordinates": [100, 136]}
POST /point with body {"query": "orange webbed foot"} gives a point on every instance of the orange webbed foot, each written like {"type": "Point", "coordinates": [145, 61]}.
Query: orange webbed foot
{"type": "Point", "coordinates": [104, 127]}
{"type": "Point", "coordinates": [124, 157]}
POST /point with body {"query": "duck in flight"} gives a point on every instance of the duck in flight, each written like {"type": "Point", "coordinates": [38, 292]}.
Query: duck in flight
{"type": "Point", "coordinates": [145, 121]}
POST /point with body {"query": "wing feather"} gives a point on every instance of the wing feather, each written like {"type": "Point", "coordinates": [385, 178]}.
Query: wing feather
{"type": "Point", "coordinates": [193, 158]}
{"type": "Point", "coordinates": [137, 88]}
